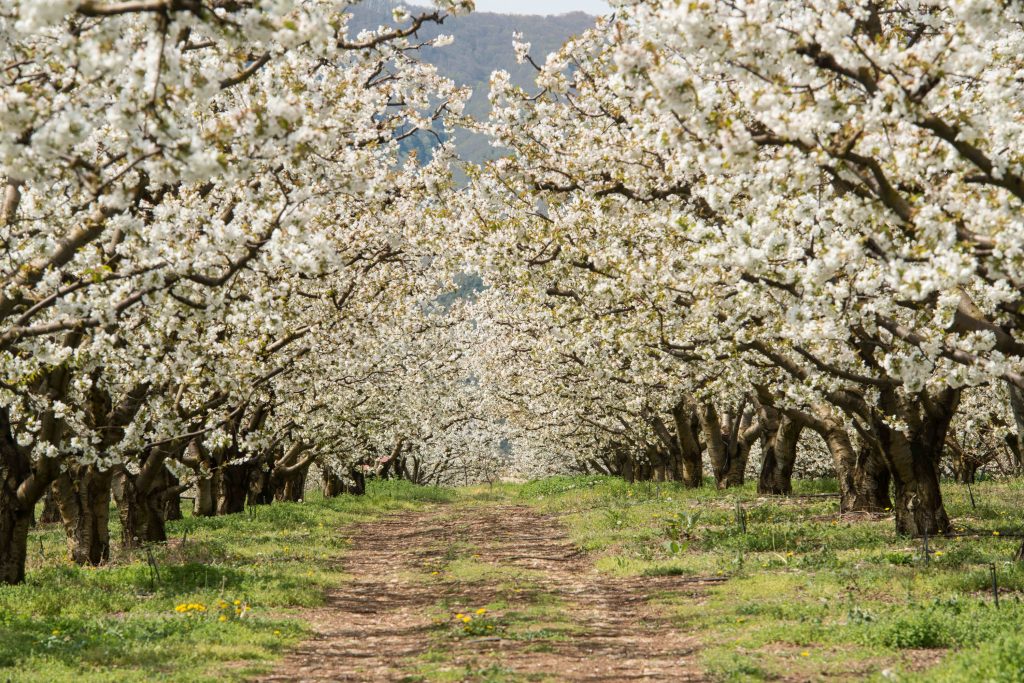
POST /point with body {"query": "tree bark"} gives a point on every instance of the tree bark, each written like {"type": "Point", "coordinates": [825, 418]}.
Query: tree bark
{"type": "Point", "coordinates": [141, 513]}
{"type": "Point", "coordinates": [778, 445]}
{"type": "Point", "coordinates": [15, 515]}
{"type": "Point", "coordinates": [913, 459]}
{"type": "Point", "coordinates": [728, 444]}
{"type": "Point", "coordinates": [291, 487]}
{"type": "Point", "coordinates": [50, 513]}
{"type": "Point", "coordinates": [83, 496]}
{"type": "Point", "coordinates": [172, 501]}
{"type": "Point", "coordinates": [234, 488]}
{"type": "Point", "coordinates": [690, 453]}
{"type": "Point", "coordinates": [1017, 445]}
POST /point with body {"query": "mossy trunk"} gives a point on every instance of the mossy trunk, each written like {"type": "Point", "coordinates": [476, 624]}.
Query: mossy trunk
{"type": "Point", "coordinates": [83, 495]}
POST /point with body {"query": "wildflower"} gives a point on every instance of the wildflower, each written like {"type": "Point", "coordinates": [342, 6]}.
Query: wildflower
{"type": "Point", "coordinates": [938, 553]}
{"type": "Point", "coordinates": [223, 617]}
{"type": "Point", "coordinates": [237, 603]}
{"type": "Point", "coordinates": [789, 554]}
{"type": "Point", "coordinates": [481, 611]}
{"type": "Point", "coordinates": [56, 631]}
{"type": "Point", "coordinates": [805, 653]}
{"type": "Point", "coordinates": [434, 573]}
{"type": "Point", "coordinates": [466, 619]}
{"type": "Point", "coordinates": [995, 533]}
{"type": "Point", "coordinates": [277, 633]}
{"type": "Point", "coordinates": [459, 615]}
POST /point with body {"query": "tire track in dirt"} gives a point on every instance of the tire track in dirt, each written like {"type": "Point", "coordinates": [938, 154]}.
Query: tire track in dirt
{"type": "Point", "coordinates": [374, 624]}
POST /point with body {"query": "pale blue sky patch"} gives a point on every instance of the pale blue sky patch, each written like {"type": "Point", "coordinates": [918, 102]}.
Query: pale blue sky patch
{"type": "Point", "coordinates": [542, 6]}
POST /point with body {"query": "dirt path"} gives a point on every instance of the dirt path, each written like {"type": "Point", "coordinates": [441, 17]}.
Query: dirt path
{"type": "Point", "coordinates": [556, 619]}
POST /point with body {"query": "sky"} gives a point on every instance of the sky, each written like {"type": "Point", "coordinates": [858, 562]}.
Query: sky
{"type": "Point", "coordinates": [542, 6]}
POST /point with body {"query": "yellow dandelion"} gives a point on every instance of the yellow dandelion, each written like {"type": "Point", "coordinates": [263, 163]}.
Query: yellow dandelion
{"type": "Point", "coordinates": [238, 602]}
{"type": "Point", "coordinates": [805, 653]}
{"type": "Point", "coordinates": [481, 611]}
{"type": "Point", "coordinates": [995, 533]}
{"type": "Point", "coordinates": [459, 615]}
{"type": "Point", "coordinates": [223, 617]}
{"type": "Point", "coordinates": [56, 631]}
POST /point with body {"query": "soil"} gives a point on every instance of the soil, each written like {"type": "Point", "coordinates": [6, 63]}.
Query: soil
{"type": "Point", "coordinates": [394, 619]}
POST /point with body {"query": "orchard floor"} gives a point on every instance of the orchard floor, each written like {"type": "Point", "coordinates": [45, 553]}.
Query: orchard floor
{"type": "Point", "coordinates": [564, 579]}
{"type": "Point", "coordinates": [496, 592]}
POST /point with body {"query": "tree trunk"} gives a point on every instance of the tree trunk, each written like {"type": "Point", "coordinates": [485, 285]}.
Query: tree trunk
{"type": "Point", "coordinates": [206, 497]}
{"type": "Point", "coordinates": [83, 496]}
{"type": "Point", "coordinates": [50, 513]}
{"type": "Point", "coordinates": [779, 444]}
{"type": "Point", "coordinates": [1017, 407]}
{"type": "Point", "coordinates": [965, 465]}
{"type": "Point", "coordinates": [234, 489]}
{"type": "Point", "coordinates": [140, 512]}
{"type": "Point", "coordinates": [14, 525]}
{"type": "Point", "coordinates": [291, 487]}
{"type": "Point", "coordinates": [690, 453]}
{"type": "Point", "coordinates": [711, 427]}
{"type": "Point", "coordinates": [333, 484]}
{"type": "Point", "coordinates": [913, 460]}
{"type": "Point", "coordinates": [737, 472]}
{"type": "Point", "coordinates": [15, 518]}
{"type": "Point", "coordinates": [172, 501]}
{"type": "Point", "coordinates": [261, 485]}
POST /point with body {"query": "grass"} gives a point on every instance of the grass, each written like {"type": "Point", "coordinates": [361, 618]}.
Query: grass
{"type": "Point", "coordinates": [812, 593]}
{"type": "Point", "coordinates": [223, 608]}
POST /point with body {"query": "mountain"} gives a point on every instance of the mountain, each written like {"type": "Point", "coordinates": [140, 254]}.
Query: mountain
{"type": "Point", "coordinates": [483, 43]}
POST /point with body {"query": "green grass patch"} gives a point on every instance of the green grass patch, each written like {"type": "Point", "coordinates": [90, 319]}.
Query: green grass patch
{"type": "Point", "coordinates": [223, 608]}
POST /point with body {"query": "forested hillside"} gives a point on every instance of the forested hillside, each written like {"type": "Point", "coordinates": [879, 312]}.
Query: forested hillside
{"type": "Point", "coordinates": [483, 44]}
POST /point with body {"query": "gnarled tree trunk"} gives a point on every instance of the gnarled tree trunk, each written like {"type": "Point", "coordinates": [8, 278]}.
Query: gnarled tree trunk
{"type": "Point", "coordinates": [83, 496]}
{"type": "Point", "coordinates": [728, 444]}
{"type": "Point", "coordinates": [50, 513]}
{"type": "Point", "coordinates": [233, 489]}
{"type": "Point", "coordinates": [778, 452]}
{"type": "Point", "coordinates": [15, 515]}
{"type": "Point", "coordinates": [687, 425]}
{"type": "Point", "coordinates": [913, 458]}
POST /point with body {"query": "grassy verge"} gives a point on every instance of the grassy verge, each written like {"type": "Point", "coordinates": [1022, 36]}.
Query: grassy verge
{"type": "Point", "coordinates": [812, 593]}
{"type": "Point", "coordinates": [222, 605]}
